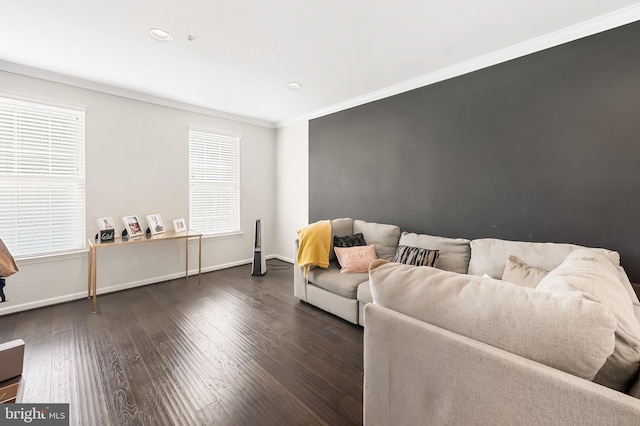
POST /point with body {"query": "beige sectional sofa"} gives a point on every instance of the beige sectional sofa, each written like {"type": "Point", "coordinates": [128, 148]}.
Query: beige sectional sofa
{"type": "Point", "coordinates": [559, 344]}
{"type": "Point", "coordinates": [446, 348]}
{"type": "Point", "coordinates": [345, 295]}
{"type": "Point", "coordinates": [332, 291]}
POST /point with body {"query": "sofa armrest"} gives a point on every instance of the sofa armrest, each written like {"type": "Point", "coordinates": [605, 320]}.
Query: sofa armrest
{"type": "Point", "coordinates": [299, 281]}
{"type": "Point", "coordinates": [417, 373]}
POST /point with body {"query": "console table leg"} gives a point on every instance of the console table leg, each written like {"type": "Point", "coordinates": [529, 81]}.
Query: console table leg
{"type": "Point", "coordinates": [186, 260]}
{"type": "Point", "coordinates": [200, 261]}
{"type": "Point", "coordinates": [90, 268]}
{"type": "Point", "coordinates": [95, 281]}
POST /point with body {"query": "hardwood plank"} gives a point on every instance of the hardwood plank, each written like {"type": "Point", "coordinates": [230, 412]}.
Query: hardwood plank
{"type": "Point", "coordinates": [143, 392]}
{"type": "Point", "coordinates": [240, 350]}
{"type": "Point", "coordinates": [92, 406]}
{"type": "Point", "coordinates": [64, 387]}
{"type": "Point", "coordinates": [276, 404]}
{"type": "Point", "coordinates": [38, 354]}
{"type": "Point", "coordinates": [280, 356]}
{"type": "Point", "coordinates": [119, 398]}
{"type": "Point", "coordinates": [183, 358]}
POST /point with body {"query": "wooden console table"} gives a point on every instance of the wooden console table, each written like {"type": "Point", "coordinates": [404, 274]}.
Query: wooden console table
{"type": "Point", "coordinates": [166, 236]}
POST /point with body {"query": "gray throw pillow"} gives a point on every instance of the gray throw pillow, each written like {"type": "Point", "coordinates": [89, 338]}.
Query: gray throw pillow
{"type": "Point", "coordinates": [354, 240]}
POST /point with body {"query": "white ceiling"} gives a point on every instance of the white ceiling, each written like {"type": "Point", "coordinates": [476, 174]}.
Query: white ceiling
{"type": "Point", "coordinates": [343, 52]}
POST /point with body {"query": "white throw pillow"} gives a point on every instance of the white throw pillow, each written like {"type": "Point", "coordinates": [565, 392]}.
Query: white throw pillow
{"type": "Point", "coordinates": [519, 272]}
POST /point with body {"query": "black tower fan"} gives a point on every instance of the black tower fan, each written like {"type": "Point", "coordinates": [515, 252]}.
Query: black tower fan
{"type": "Point", "coordinates": [259, 265]}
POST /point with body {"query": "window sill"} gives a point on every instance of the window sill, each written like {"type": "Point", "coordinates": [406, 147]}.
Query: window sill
{"type": "Point", "coordinates": [52, 257]}
{"type": "Point", "coordinates": [223, 236]}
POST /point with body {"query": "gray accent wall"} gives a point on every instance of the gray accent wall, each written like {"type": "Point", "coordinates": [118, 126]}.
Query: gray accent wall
{"type": "Point", "coordinates": [541, 148]}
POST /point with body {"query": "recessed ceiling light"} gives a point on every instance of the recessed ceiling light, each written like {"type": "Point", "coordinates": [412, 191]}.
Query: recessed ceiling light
{"type": "Point", "coordinates": [294, 85]}
{"type": "Point", "coordinates": [160, 35]}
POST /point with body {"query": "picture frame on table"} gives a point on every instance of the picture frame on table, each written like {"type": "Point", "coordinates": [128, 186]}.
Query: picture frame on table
{"type": "Point", "coordinates": [132, 225]}
{"type": "Point", "coordinates": [154, 221]}
{"type": "Point", "coordinates": [179, 225]}
{"type": "Point", "coordinates": [105, 223]}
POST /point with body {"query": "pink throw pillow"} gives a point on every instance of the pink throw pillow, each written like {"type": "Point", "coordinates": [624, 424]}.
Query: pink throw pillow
{"type": "Point", "coordinates": [355, 259]}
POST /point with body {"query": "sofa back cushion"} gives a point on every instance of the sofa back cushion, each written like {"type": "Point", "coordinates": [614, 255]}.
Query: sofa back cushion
{"type": "Point", "coordinates": [489, 255]}
{"type": "Point", "coordinates": [384, 237]}
{"type": "Point", "coordinates": [339, 228]}
{"type": "Point", "coordinates": [453, 253]}
{"type": "Point", "coordinates": [562, 330]}
{"type": "Point", "coordinates": [592, 273]}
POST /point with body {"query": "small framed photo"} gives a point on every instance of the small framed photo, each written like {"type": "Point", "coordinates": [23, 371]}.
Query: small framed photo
{"type": "Point", "coordinates": [107, 235]}
{"type": "Point", "coordinates": [179, 225]}
{"type": "Point", "coordinates": [155, 224]}
{"type": "Point", "coordinates": [132, 225]}
{"type": "Point", "coordinates": [105, 223]}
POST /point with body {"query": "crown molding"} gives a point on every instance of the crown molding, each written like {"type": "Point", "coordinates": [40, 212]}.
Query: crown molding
{"type": "Point", "coordinates": [556, 38]}
{"type": "Point", "coordinates": [565, 35]}
{"type": "Point", "coordinates": [125, 93]}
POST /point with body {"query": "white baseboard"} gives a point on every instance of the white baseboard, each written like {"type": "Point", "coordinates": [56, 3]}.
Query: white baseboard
{"type": "Point", "coordinates": [125, 286]}
{"type": "Point", "coordinates": [279, 257]}
{"type": "Point", "coordinates": [41, 303]}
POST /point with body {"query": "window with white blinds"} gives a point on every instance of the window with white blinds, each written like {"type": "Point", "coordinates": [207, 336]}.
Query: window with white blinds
{"type": "Point", "coordinates": [42, 178]}
{"type": "Point", "coordinates": [214, 183]}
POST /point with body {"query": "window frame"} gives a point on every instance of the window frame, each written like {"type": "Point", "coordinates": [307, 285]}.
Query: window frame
{"type": "Point", "coordinates": [43, 150]}
{"type": "Point", "coordinates": [204, 146]}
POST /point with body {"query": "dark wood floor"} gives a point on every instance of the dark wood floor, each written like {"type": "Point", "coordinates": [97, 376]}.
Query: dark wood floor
{"type": "Point", "coordinates": [238, 350]}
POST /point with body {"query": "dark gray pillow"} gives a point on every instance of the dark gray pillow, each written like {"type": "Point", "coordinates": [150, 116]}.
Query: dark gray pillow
{"type": "Point", "coordinates": [416, 256]}
{"type": "Point", "coordinates": [349, 241]}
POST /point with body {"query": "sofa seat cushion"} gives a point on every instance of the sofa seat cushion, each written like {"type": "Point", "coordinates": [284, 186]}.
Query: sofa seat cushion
{"type": "Point", "coordinates": [453, 253]}
{"type": "Point", "coordinates": [592, 273]}
{"type": "Point", "coordinates": [364, 293]}
{"type": "Point", "coordinates": [330, 279]}
{"type": "Point", "coordinates": [489, 255]}
{"type": "Point", "coordinates": [383, 237]}
{"type": "Point", "coordinates": [562, 330]}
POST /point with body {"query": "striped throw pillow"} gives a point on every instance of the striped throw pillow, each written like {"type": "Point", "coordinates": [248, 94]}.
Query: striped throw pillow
{"type": "Point", "coordinates": [416, 256]}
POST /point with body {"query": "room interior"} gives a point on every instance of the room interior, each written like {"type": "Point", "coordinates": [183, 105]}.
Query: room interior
{"type": "Point", "coordinates": [512, 123]}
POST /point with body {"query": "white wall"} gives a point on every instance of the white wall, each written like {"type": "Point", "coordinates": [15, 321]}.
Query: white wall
{"type": "Point", "coordinates": [292, 183]}
{"type": "Point", "coordinates": [136, 162]}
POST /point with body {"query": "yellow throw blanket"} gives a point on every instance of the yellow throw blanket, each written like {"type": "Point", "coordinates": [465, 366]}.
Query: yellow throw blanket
{"type": "Point", "coordinates": [314, 246]}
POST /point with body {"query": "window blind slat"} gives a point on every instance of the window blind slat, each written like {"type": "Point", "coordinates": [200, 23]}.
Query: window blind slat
{"type": "Point", "coordinates": [214, 183]}
{"type": "Point", "coordinates": [42, 178]}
